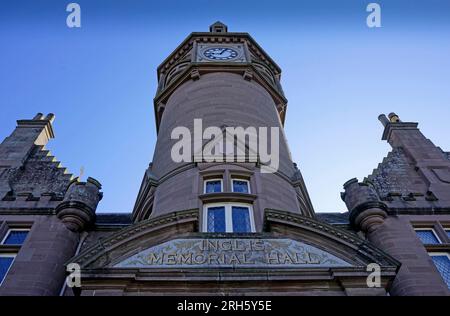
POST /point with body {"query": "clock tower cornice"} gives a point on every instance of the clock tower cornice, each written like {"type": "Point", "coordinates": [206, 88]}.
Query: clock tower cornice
{"type": "Point", "coordinates": [218, 51]}
{"type": "Point", "coordinates": [217, 38]}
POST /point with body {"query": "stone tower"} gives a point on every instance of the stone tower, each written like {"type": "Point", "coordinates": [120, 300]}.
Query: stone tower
{"type": "Point", "coordinates": [223, 219]}
{"type": "Point", "coordinates": [228, 81]}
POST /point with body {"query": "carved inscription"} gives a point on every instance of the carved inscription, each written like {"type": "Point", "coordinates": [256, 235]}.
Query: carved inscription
{"type": "Point", "coordinates": [239, 252]}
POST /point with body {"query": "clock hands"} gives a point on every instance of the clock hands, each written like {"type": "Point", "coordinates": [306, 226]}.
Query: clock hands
{"type": "Point", "coordinates": [222, 53]}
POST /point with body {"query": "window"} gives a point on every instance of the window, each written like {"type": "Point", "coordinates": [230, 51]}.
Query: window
{"type": "Point", "coordinates": [427, 236]}
{"type": "Point", "coordinates": [6, 261]}
{"type": "Point", "coordinates": [241, 219]}
{"type": "Point", "coordinates": [442, 263]}
{"type": "Point", "coordinates": [241, 186]}
{"type": "Point", "coordinates": [15, 237]}
{"type": "Point", "coordinates": [228, 218]}
{"type": "Point", "coordinates": [216, 219]}
{"type": "Point", "coordinates": [213, 186]}
{"type": "Point", "coordinates": [440, 254]}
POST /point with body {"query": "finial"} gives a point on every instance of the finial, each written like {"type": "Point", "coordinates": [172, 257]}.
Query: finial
{"type": "Point", "coordinates": [218, 27]}
{"type": "Point", "coordinates": [394, 118]}
{"type": "Point", "coordinates": [81, 174]}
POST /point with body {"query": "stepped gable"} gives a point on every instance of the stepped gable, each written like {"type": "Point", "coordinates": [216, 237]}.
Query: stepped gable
{"type": "Point", "coordinates": [396, 176]}
{"type": "Point", "coordinates": [41, 174]}
{"type": "Point", "coordinates": [28, 172]}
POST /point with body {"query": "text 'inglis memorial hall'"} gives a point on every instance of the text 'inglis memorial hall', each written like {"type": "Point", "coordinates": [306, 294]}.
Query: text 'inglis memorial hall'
{"type": "Point", "coordinates": [242, 225]}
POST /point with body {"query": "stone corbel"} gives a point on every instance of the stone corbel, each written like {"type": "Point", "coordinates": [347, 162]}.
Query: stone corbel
{"type": "Point", "coordinates": [248, 74]}
{"type": "Point", "coordinates": [195, 74]}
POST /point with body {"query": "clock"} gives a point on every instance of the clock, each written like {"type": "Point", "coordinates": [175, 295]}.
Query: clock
{"type": "Point", "coordinates": [220, 53]}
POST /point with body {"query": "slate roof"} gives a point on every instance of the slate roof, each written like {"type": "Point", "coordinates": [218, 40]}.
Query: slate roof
{"type": "Point", "coordinates": [113, 219]}
{"type": "Point", "coordinates": [333, 218]}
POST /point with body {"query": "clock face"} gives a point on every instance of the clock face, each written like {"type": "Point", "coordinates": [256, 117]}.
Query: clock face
{"type": "Point", "coordinates": [220, 53]}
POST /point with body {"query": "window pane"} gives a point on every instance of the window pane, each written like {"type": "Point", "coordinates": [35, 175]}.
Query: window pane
{"type": "Point", "coordinates": [241, 219]}
{"type": "Point", "coordinates": [240, 186]}
{"type": "Point", "coordinates": [448, 233]}
{"type": "Point", "coordinates": [443, 265]}
{"type": "Point", "coordinates": [216, 219]}
{"type": "Point", "coordinates": [427, 237]}
{"type": "Point", "coordinates": [5, 263]}
{"type": "Point", "coordinates": [16, 237]}
{"type": "Point", "coordinates": [213, 186]}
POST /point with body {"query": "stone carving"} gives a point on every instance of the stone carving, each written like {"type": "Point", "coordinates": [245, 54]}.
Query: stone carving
{"type": "Point", "coordinates": [40, 174]}
{"type": "Point", "coordinates": [396, 175]}
{"type": "Point", "coordinates": [228, 252]}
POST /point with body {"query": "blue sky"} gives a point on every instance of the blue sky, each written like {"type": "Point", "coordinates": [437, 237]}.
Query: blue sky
{"type": "Point", "coordinates": [338, 76]}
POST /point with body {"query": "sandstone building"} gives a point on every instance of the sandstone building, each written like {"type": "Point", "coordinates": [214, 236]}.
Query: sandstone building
{"type": "Point", "coordinates": [215, 228]}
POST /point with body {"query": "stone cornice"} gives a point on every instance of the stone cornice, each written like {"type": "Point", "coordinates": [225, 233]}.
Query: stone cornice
{"type": "Point", "coordinates": [199, 69]}
{"type": "Point", "coordinates": [27, 211]}
{"type": "Point", "coordinates": [362, 247]}
{"type": "Point", "coordinates": [151, 226]}
{"type": "Point", "coordinates": [227, 197]}
{"type": "Point", "coordinates": [354, 213]}
{"type": "Point", "coordinates": [308, 275]}
{"type": "Point", "coordinates": [397, 126]}
{"type": "Point", "coordinates": [208, 37]}
{"type": "Point", "coordinates": [203, 68]}
{"type": "Point", "coordinates": [393, 211]}
{"type": "Point", "coordinates": [45, 124]}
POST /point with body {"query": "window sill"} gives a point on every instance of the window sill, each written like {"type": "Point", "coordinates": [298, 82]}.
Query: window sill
{"type": "Point", "coordinates": [9, 248]}
{"type": "Point", "coordinates": [437, 247]}
{"type": "Point", "coordinates": [227, 197]}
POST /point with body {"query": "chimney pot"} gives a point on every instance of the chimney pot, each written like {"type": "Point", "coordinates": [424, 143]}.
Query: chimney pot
{"type": "Point", "coordinates": [50, 117]}
{"type": "Point", "coordinates": [394, 118]}
{"type": "Point", "coordinates": [383, 119]}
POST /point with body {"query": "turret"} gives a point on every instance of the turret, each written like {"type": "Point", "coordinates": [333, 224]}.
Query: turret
{"type": "Point", "coordinates": [224, 83]}
{"type": "Point", "coordinates": [367, 212]}
{"type": "Point", "coordinates": [77, 210]}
